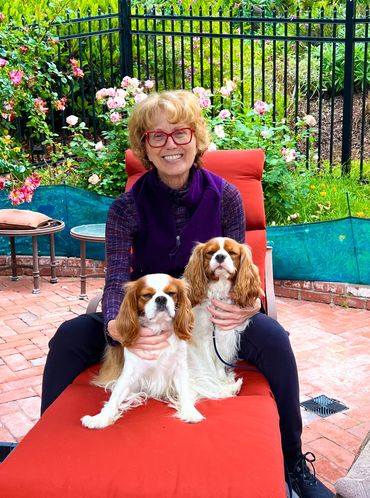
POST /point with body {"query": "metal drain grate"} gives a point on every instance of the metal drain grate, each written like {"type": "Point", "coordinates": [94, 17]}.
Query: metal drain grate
{"type": "Point", "coordinates": [323, 406]}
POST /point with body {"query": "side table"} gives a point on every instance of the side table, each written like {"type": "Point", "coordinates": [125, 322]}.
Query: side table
{"type": "Point", "coordinates": [87, 233]}
{"type": "Point", "coordinates": [54, 227]}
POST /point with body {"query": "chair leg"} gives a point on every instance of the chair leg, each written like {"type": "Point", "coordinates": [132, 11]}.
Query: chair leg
{"type": "Point", "coordinates": [269, 285]}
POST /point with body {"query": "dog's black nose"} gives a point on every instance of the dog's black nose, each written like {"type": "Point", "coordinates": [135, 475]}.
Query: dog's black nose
{"type": "Point", "coordinates": [220, 258]}
{"type": "Point", "coordinates": [161, 300]}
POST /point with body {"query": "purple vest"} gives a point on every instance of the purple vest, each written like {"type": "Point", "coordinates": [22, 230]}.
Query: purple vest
{"type": "Point", "coordinates": [157, 247]}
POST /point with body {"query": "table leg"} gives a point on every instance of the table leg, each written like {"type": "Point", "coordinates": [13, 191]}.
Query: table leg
{"type": "Point", "coordinates": [13, 260]}
{"type": "Point", "coordinates": [35, 271]}
{"type": "Point", "coordinates": [83, 294]}
{"type": "Point", "coordinates": [53, 264]}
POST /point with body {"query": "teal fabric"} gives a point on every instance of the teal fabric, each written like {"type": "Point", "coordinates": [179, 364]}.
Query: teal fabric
{"type": "Point", "coordinates": [337, 250]}
{"type": "Point", "coordinates": [72, 205]}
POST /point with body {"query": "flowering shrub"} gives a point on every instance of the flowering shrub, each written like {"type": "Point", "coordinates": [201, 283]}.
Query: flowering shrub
{"type": "Point", "coordinates": [234, 126]}
{"type": "Point", "coordinates": [99, 166]}
{"type": "Point", "coordinates": [28, 82]}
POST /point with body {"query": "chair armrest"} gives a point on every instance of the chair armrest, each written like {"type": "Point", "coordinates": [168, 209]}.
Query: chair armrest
{"type": "Point", "coordinates": [94, 303]}
{"type": "Point", "coordinates": [269, 285]}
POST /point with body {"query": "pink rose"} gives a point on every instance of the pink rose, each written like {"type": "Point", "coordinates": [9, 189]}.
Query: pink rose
{"type": "Point", "coordinates": [261, 107]}
{"type": "Point", "coordinates": [72, 120]}
{"type": "Point", "coordinates": [3, 182]}
{"type": "Point", "coordinates": [224, 91]}
{"type": "Point", "coordinates": [115, 102]}
{"type": "Point", "coordinates": [115, 117]}
{"type": "Point", "coordinates": [126, 81]}
{"type": "Point", "coordinates": [16, 77]}
{"type": "Point", "coordinates": [3, 62]}
{"type": "Point", "coordinates": [224, 114]}
{"type": "Point", "coordinates": [94, 179]}
{"type": "Point", "coordinates": [149, 84]}
{"type": "Point", "coordinates": [204, 102]}
{"type": "Point", "coordinates": [40, 105]}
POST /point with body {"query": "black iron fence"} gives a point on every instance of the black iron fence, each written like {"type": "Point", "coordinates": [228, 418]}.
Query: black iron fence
{"type": "Point", "coordinates": [302, 64]}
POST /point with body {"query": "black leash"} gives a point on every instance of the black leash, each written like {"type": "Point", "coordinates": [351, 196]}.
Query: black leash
{"type": "Point", "coordinates": [242, 367]}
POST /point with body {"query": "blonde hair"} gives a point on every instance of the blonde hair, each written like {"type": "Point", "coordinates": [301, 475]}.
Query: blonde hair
{"type": "Point", "coordinates": [179, 106]}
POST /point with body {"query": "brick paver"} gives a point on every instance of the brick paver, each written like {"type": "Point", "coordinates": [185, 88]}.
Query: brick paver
{"type": "Point", "coordinates": [331, 343]}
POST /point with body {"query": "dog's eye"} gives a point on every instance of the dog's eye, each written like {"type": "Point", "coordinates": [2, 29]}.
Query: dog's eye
{"type": "Point", "coordinates": [232, 253]}
{"type": "Point", "coordinates": [172, 294]}
{"type": "Point", "coordinates": [210, 253]}
{"type": "Point", "coordinates": [147, 296]}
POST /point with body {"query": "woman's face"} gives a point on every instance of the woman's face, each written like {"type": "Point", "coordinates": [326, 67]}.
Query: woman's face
{"type": "Point", "coordinates": [172, 161]}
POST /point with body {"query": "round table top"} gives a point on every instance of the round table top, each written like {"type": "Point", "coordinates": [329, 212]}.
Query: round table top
{"type": "Point", "coordinates": [92, 233]}
{"type": "Point", "coordinates": [53, 227]}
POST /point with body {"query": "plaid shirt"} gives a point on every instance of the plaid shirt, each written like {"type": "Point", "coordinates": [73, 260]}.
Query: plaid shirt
{"type": "Point", "coordinates": [122, 223]}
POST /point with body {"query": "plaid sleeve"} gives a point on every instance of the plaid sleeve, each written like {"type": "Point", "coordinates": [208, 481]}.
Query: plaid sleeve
{"type": "Point", "coordinates": [232, 213]}
{"type": "Point", "coordinates": [120, 227]}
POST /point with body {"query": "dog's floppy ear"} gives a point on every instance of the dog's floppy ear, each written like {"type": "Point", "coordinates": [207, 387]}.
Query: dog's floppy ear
{"type": "Point", "coordinates": [184, 318]}
{"type": "Point", "coordinates": [127, 320]}
{"type": "Point", "coordinates": [247, 287]}
{"type": "Point", "coordinates": [195, 276]}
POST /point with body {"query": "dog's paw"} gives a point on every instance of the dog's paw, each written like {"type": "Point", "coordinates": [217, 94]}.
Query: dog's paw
{"type": "Point", "coordinates": [192, 416]}
{"type": "Point", "coordinates": [95, 422]}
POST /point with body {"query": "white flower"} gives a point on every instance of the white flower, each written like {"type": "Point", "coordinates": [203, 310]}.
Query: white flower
{"type": "Point", "coordinates": [309, 120]}
{"type": "Point", "coordinates": [219, 131]}
{"type": "Point", "coordinates": [72, 120]}
{"type": "Point", "coordinates": [99, 146]}
{"type": "Point", "coordinates": [212, 146]}
{"type": "Point", "coordinates": [139, 97]}
{"type": "Point", "coordinates": [94, 179]}
{"type": "Point", "coordinates": [264, 133]}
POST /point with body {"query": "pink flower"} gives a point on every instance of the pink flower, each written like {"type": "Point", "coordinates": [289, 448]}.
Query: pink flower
{"type": "Point", "coordinates": [2, 16]}
{"type": "Point", "coordinates": [224, 114]}
{"type": "Point", "coordinates": [77, 72]}
{"type": "Point", "coordinates": [115, 102]}
{"type": "Point", "coordinates": [27, 193]}
{"type": "Point", "coordinates": [72, 120]}
{"type": "Point", "coordinates": [126, 82]}
{"type": "Point", "coordinates": [224, 91]}
{"type": "Point", "coordinates": [134, 82]}
{"type": "Point", "coordinates": [40, 105]}
{"type": "Point", "coordinates": [149, 84]}
{"type": "Point", "coordinates": [3, 182]}
{"type": "Point", "coordinates": [16, 197]}
{"type": "Point", "coordinates": [288, 154]}
{"type": "Point", "coordinates": [115, 117]}
{"type": "Point", "coordinates": [261, 107]}
{"type": "Point", "coordinates": [140, 97]}
{"type": "Point", "coordinates": [219, 131]}
{"type": "Point", "coordinates": [31, 182]}
{"type": "Point", "coordinates": [60, 104]}
{"type": "Point", "coordinates": [264, 133]}
{"type": "Point", "coordinates": [204, 102]}
{"type": "Point", "coordinates": [23, 49]}
{"type": "Point", "coordinates": [16, 77]}
{"type": "Point", "coordinates": [3, 62]}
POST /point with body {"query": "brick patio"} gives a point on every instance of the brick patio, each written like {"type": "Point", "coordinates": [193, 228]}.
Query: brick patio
{"type": "Point", "coordinates": [331, 343]}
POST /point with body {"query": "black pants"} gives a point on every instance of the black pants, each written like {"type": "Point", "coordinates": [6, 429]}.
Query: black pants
{"type": "Point", "coordinates": [80, 342]}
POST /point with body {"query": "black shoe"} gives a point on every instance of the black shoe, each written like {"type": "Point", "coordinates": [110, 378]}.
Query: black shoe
{"type": "Point", "coordinates": [304, 481]}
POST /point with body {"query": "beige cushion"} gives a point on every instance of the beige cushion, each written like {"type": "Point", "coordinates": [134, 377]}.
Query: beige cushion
{"type": "Point", "coordinates": [356, 484]}
{"type": "Point", "coordinates": [19, 219]}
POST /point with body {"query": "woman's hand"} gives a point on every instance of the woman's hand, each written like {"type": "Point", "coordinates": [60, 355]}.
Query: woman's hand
{"type": "Point", "coordinates": [148, 344]}
{"type": "Point", "coordinates": [231, 316]}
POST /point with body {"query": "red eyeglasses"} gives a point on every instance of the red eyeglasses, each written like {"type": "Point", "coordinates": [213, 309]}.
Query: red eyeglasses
{"type": "Point", "coordinates": [157, 138]}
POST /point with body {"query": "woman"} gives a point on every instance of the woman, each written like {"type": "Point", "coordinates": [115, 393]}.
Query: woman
{"type": "Point", "coordinates": [161, 218]}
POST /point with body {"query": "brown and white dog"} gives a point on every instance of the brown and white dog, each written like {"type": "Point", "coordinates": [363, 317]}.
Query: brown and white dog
{"type": "Point", "coordinates": [222, 269]}
{"type": "Point", "coordinates": [159, 302]}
